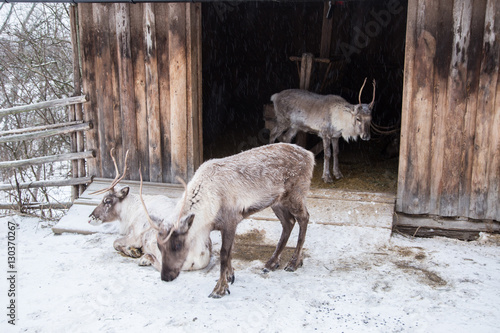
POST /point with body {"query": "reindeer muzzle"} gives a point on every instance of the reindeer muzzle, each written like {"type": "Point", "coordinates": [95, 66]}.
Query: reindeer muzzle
{"type": "Point", "coordinates": [365, 137]}
{"type": "Point", "coordinates": [169, 276]}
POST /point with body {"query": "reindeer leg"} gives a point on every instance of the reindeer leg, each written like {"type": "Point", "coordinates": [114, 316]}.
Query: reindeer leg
{"type": "Point", "coordinates": [302, 217]}
{"type": "Point", "coordinates": [276, 132]}
{"type": "Point", "coordinates": [289, 135]}
{"type": "Point", "coordinates": [149, 259]}
{"type": "Point", "coordinates": [327, 178]}
{"type": "Point", "coordinates": [287, 222]}
{"type": "Point", "coordinates": [226, 269]}
{"type": "Point", "coordinates": [123, 245]}
{"type": "Point", "coordinates": [336, 170]}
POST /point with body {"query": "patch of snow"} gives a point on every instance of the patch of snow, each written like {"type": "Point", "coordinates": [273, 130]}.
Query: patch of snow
{"type": "Point", "coordinates": [349, 283]}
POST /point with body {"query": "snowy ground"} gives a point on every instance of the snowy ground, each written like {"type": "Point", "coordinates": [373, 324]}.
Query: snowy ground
{"type": "Point", "coordinates": [77, 283]}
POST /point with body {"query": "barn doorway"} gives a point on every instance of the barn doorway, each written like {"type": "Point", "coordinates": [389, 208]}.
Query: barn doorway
{"type": "Point", "coordinates": [246, 49]}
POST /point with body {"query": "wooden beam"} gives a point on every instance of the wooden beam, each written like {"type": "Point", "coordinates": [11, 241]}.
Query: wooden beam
{"type": "Point", "coordinates": [47, 159]}
{"type": "Point", "coordinates": [87, 33]}
{"type": "Point", "coordinates": [47, 183]}
{"type": "Point", "coordinates": [127, 93]}
{"type": "Point", "coordinates": [152, 100]}
{"type": "Point", "coordinates": [43, 105]}
{"type": "Point", "coordinates": [40, 128]}
{"type": "Point", "coordinates": [430, 221]}
{"type": "Point", "coordinates": [178, 86]}
{"type": "Point", "coordinates": [37, 206]}
{"type": "Point", "coordinates": [326, 31]}
{"type": "Point", "coordinates": [46, 133]}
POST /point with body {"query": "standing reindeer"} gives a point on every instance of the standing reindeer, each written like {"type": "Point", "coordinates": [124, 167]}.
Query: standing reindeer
{"type": "Point", "coordinates": [139, 238]}
{"type": "Point", "coordinates": [225, 191]}
{"type": "Point", "coordinates": [328, 116]}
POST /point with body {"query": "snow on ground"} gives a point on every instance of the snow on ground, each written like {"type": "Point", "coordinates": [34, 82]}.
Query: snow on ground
{"type": "Point", "coordinates": [78, 283]}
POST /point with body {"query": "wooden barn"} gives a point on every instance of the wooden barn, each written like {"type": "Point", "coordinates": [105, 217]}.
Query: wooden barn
{"type": "Point", "coordinates": [178, 83]}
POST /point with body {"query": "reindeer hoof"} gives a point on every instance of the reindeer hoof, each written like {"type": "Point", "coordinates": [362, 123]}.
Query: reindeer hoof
{"type": "Point", "coordinates": [134, 252]}
{"type": "Point", "coordinates": [293, 265]}
{"type": "Point", "coordinates": [221, 289]}
{"type": "Point", "coordinates": [230, 279]}
{"type": "Point", "coordinates": [145, 260]}
{"type": "Point", "coordinates": [271, 266]}
{"type": "Point", "coordinates": [218, 295]}
{"type": "Point", "coordinates": [327, 179]}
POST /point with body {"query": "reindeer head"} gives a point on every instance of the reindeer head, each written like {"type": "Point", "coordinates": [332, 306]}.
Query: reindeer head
{"type": "Point", "coordinates": [172, 243]}
{"type": "Point", "coordinates": [110, 207]}
{"type": "Point", "coordinates": [362, 114]}
{"type": "Point", "coordinates": [171, 238]}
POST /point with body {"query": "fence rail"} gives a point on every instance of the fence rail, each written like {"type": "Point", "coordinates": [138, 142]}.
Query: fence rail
{"type": "Point", "coordinates": [74, 126]}
{"type": "Point", "coordinates": [46, 183]}
{"type": "Point", "coordinates": [43, 105]}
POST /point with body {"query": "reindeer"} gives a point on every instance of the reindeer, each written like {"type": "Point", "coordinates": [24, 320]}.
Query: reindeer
{"type": "Point", "coordinates": [328, 116]}
{"type": "Point", "coordinates": [225, 191]}
{"type": "Point", "coordinates": [139, 240]}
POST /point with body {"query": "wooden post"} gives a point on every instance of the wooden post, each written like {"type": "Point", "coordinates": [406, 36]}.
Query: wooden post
{"type": "Point", "coordinates": [77, 80]}
{"type": "Point", "coordinates": [178, 84]}
{"type": "Point", "coordinates": [152, 101]}
{"type": "Point", "coordinates": [88, 49]}
{"type": "Point", "coordinates": [126, 86]}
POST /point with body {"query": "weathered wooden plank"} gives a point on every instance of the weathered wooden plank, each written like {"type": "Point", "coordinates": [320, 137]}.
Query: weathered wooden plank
{"type": "Point", "coordinates": [45, 133]}
{"type": "Point", "coordinates": [40, 128]}
{"type": "Point", "coordinates": [152, 101]}
{"type": "Point", "coordinates": [406, 107]}
{"type": "Point", "coordinates": [493, 204]}
{"type": "Point", "coordinates": [138, 54]}
{"type": "Point", "coordinates": [161, 10]}
{"type": "Point", "coordinates": [493, 211]}
{"type": "Point", "coordinates": [193, 28]}
{"type": "Point", "coordinates": [37, 206]}
{"type": "Point", "coordinates": [126, 84]}
{"type": "Point", "coordinates": [437, 222]}
{"type": "Point", "coordinates": [104, 82]}
{"type": "Point", "coordinates": [417, 188]}
{"type": "Point", "coordinates": [77, 110]}
{"type": "Point", "coordinates": [454, 44]}
{"type": "Point", "coordinates": [178, 86]}
{"type": "Point", "coordinates": [439, 118]}
{"type": "Point", "coordinates": [488, 78]}
{"type": "Point", "coordinates": [114, 81]}
{"type": "Point", "coordinates": [472, 87]}
{"type": "Point", "coordinates": [199, 151]}
{"type": "Point", "coordinates": [47, 159]}
{"type": "Point", "coordinates": [88, 52]}
{"type": "Point", "coordinates": [326, 32]}
{"type": "Point", "coordinates": [43, 105]}
{"type": "Point", "coordinates": [47, 183]}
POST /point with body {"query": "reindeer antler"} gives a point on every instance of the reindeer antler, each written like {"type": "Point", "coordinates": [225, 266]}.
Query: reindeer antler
{"type": "Point", "coordinates": [151, 223]}
{"type": "Point", "coordinates": [118, 178]}
{"type": "Point", "coordinates": [373, 99]}
{"type": "Point", "coordinates": [361, 90]}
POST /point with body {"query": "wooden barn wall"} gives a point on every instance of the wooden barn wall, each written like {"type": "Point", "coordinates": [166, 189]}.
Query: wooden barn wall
{"type": "Point", "coordinates": [450, 145]}
{"type": "Point", "coordinates": [141, 66]}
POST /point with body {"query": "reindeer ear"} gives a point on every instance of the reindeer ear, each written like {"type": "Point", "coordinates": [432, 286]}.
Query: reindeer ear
{"type": "Point", "coordinates": [185, 223]}
{"type": "Point", "coordinates": [123, 193]}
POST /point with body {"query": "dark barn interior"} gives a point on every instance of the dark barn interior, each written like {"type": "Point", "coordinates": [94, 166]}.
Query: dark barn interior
{"type": "Point", "coordinates": [246, 49]}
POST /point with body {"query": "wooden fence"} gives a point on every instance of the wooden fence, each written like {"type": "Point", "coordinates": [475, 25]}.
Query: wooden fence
{"type": "Point", "coordinates": [75, 127]}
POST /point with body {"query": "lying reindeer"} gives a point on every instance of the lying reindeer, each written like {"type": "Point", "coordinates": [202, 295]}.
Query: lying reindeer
{"type": "Point", "coordinates": [328, 116]}
{"type": "Point", "coordinates": [225, 191]}
{"type": "Point", "coordinates": [139, 238]}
